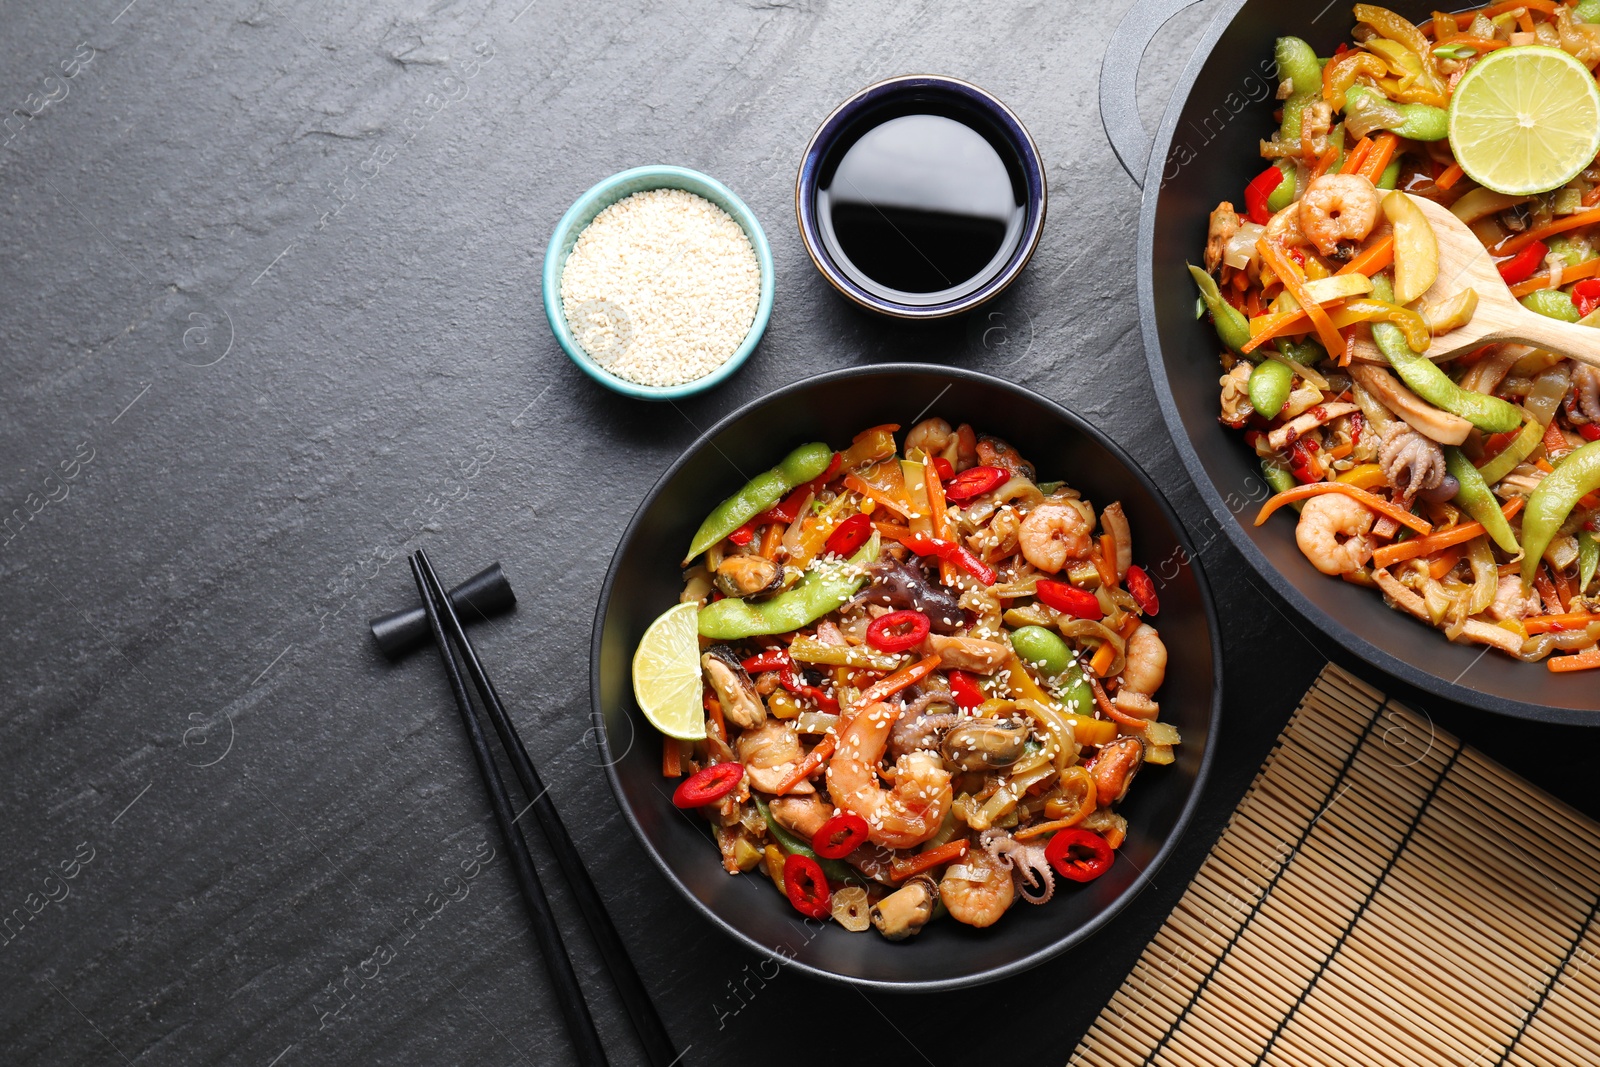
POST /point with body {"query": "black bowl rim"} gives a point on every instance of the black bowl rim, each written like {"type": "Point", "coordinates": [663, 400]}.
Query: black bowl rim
{"type": "Point", "coordinates": [1353, 642]}
{"type": "Point", "coordinates": [823, 138]}
{"type": "Point", "coordinates": [1134, 888]}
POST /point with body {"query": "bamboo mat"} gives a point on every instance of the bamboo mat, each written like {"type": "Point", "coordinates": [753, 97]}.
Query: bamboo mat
{"type": "Point", "coordinates": [1383, 895]}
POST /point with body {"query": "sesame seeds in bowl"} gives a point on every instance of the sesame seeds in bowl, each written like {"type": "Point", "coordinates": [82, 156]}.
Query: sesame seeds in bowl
{"type": "Point", "coordinates": [658, 282]}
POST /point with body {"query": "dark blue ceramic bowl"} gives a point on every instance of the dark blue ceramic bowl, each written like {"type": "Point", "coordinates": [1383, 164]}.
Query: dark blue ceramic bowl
{"type": "Point", "coordinates": [955, 99]}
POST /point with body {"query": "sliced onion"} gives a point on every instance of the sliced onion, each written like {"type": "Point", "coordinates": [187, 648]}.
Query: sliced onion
{"type": "Point", "coordinates": [1241, 247]}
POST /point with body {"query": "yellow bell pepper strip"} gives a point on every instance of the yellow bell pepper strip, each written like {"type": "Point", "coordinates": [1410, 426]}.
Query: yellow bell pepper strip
{"type": "Point", "coordinates": [760, 493]}
{"type": "Point", "coordinates": [1270, 327]}
{"type": "Point", "coordinates": [1400, 551]}
{"type": "Point", "coordinates": [1423, 377]}
{"type": "Point", "coordinates": [1549, 505]}
{"type": "Point", "coordinates": [1295, 282]}
{"type": "Point", "coordinates": [1394, 28]}
{"type": "Point", "coordinates": [823, 589]}
{"type": "Point", "coordinates": [1475, 498]}
{"type": "Point", "coordinates": [1342, 71]}
{"type": "Point", "coordinates": [1365, 476]}
{"type": "Point", "coordinates": [1361, 496]}
{"type": "Point", "coordinates": [869, 446]}
{"type": "Point", "coordinates": [1233, 329]}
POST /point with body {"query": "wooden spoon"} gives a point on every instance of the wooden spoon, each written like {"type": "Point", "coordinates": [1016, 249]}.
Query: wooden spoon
{"type": "Point", "coordinates": [1465, 264]}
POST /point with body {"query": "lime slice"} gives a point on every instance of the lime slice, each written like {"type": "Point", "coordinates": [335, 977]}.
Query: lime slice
{"type": "Point", "coordinates": [666, 674]}
{"type": "Point", "coordinates": [1525, 120]}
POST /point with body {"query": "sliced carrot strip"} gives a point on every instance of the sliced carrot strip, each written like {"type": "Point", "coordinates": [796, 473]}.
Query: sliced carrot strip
{"type": "Point", "coordinates": [1389, 555]}
{"type": "Point", "coordinates": [671, 764]}
{"type": "Point", "coordinates": [1373, 259]}
{"type": "Point", "coordinates": [1100, 662]}
{"type": "Point", "coordinates": [1453, 173]}
{"type": "Point", "coordinates": [1518, 242]}
{"type": "Point", "coordinates": [1543, 624]}
{"type": "Point", "coordinates": [1378, 159]}
{"type": "Point", "coordinates": [901, 869]}
{"type": "Point", "coordinates": [1366, 499]}
{"type": "Point", "coordinates": [1587, 269]}
{"type": "Point", "coordinates": [1294, 281]}
{"type": "Point", "coordinates": [1357, 156]}
{"type": "Point", "coordinates": [1583, 661]}
{"type": "Point", "coordinates": [1445, 562]}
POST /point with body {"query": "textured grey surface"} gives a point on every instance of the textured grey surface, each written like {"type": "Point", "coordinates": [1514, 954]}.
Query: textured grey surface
{"type": "Point", "coordinates": [270, 320]}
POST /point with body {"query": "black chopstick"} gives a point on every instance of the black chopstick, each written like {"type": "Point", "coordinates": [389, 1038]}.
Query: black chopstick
{"type": "Point", "coordinates": [568, 993]}
{"type": "Point", "coordinates": [641, 1010]}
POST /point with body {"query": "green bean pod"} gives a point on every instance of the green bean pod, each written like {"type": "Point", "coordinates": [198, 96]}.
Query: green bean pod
{"type": "Point", "coordinates": [1418, 122]}
{"type": "Point", "coordinates": [1232, 327]}
{"type": "Point", "coordinates": [1283, 195]}
{"type": "Point", "coordinates": [1277, 475]}
{"type": "Point", "coordinates": [1269, 388]}
{"type": "Point", "coordinates": [1552, 303]}
{"type": "Point", "coordinates": [1475, 498]}
{"type": "Point", "coordinates": [1391, 175]}
{"type": "Point", "coordinates": [1586, 11]}
{"type": "Point", "coordinates": [822, 590]}
{"type": "Point", "coordinates": [1423, 377]}
{"type": "Point", "coordinates": [763, 491]}
{"type": "Point", "coordinates": [1549, 505]}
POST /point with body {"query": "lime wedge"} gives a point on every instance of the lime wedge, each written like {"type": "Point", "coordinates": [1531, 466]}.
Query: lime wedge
{"type": "Point", "coordinates": [1525, 120]}
{"type": "Point", "coordinates": [666, 674]}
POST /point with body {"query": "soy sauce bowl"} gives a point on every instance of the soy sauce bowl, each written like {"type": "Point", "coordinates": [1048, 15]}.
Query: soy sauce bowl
{"type": "Point", "coordinates": [601, 196]}
{"type": "Point", "coordinates": [922, 94]}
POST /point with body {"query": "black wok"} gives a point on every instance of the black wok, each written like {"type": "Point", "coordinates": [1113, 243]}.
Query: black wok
{"type": "Point", "coordinates": [1204, 152]}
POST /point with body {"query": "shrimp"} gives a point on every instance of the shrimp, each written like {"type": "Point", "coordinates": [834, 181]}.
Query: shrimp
{"type": "Point", "coordinates": [1146, 668]}
{"type": "Point", "coordinates": [933, 437]}
{"type": "Point", "coordinates": [904, 816]}
{"type": "Point", "coordinates": [769, 752]}
{"type": "Point", "coordinates": [1052, 534]}
{"type": "Point", "coordinates": [966, 448]}
{"type": "Point", "coordinates": [977, 890]}
{"type": "Point", "coordinates": [1338, 207]}
{"type": "Point", "coordinates": [993, 452]}
{"type": "Point", "coordinates": [1323, 522]}
{"type": "Point", "coordinates": [1283, 229]}
{"type": "Point", "coordinates": [801, 815]}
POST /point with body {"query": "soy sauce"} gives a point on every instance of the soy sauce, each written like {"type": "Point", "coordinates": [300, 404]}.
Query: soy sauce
{"type": "Point", "coordinates": [921, 208]}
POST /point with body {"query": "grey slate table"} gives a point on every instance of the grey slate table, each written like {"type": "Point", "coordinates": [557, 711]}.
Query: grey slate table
{"type": "Point", "coordinates": [270, 319]}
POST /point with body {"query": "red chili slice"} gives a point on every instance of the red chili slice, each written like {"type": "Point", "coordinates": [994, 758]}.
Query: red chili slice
{"type": "Point", "coordinates": [773, 660]}
{"type": "Point", "coordinates": [965, 690]}
{"type": "Point", "coordinates": [840, 836]}
{"type": "Point", "coordinates": [1257, 192]}
{"type": "Point", "coordinates": [849, 535]}
{"type": "Point", "coordinates": [806, 886]}
{"type": "Point", "coordinates": [1143, 590]}
{"type": "Point", "coordinates": [1520, 267]}
{"type": "Point", "coordinates": [1068, 599]}
{"type": "Point", "coordinates": [943, 468]}
{"type": "Point", "coordinates": [744, 534]}
{"type": "Point", "coordinates": [885, 634]}
{"type": "Point", "coordinates": [709, 785]}
{"type": "Point", "coordinates": [974, 482]}
{"type": "Point", "coordinates": [1078, 855]}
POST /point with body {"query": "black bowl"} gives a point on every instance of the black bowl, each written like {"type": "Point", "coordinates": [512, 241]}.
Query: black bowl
{"type": "Point", "coordinates": [1206, 151]}
{"type": "Point", "coordinates": [644, 581]}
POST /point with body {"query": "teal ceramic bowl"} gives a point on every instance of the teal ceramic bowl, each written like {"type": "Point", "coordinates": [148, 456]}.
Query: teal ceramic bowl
{"type": "Point", "coordinates": [602, 196]}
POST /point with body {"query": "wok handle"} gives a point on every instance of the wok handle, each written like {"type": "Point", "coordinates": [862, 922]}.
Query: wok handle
{"type": "Point", "coordinates": [1119, 79]}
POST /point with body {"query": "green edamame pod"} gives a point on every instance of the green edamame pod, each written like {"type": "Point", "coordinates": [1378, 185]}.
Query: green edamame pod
{"type": "Point", "coordinates": [1297, 65]}
{"type": "Point", "coordinates": [1233, 329]}
{"type": "Point", "coordinates": [1423, 377]}
{"type": "Point", "coordinates": [1419, 122]}
{"type": "Point", "coordinates": [1283, 195]}
{"type": "Point", "coordinates": [1588, 558]}
{"type": "Point", "coordinates": [1587, 11]}
{"type": "Point", "coordinates": [760, 493]}
{"type": "Point", "coordinates": [1036, 645]}
{"type": "Point", "coordinates": [1475, 498]}
{"type": "Point", "coordinates": [1269, 387]}
{"type": "Point", "coordinates": [1549, 505]}
{"type": "Point", "coordinates": [822, 590]}
{"type": "Point", "coordinates": [1552, 303]}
